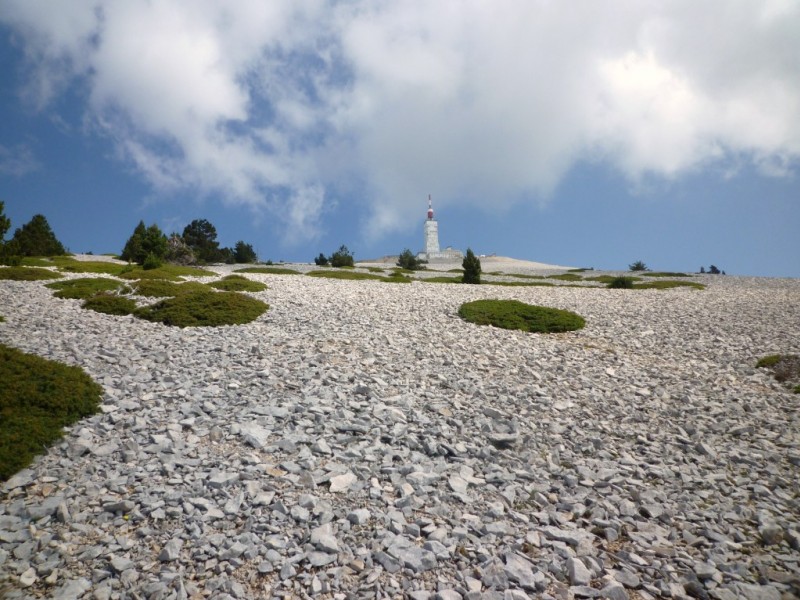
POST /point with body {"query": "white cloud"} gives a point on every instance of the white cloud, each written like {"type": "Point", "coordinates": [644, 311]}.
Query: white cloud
{"type": "Point", "coordinates": [17, 161]}
{"type": "Point", "coordinates": [274, 104]}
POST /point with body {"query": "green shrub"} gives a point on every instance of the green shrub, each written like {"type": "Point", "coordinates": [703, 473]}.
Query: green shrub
{"type": "Point", "coordinates": [38, 399]}
{"type": "Point", "coordinates": [522, 276]}
{"type": "Point", "coordinates": [237, 283]}
{"type": "Point", "coordinates": [768, 361]}
{"type": "Point", "coordinates": [667, 274]}
{"type": "Point", "coordinates": [204, 309]}
{"type": "Point", "coordinates": [374, 269]}
{"type": "Point", "coordinates": [356, 276]}
{"type": "Point", "coordinates": [91, 266]}
{"type": "Point", "coordinates": [667, 284]}
{"type": "Point", "coordinates": [11, 260]}
{"type": "Point", "coordinates": [512, 314]}
{"type": "Point", "coordinates": [521, 283]}
{"type": "Point", "coordinates": [268, 270]}
{"type": "Point", "coordinates": [168, 272]}
{"type": "Point", "coordinates": [606, 279]}
{"type": "Point", "coordinates": [441, 279]}
{"type": "Point", "coordinates": [342, 257]}
{"type": "Point", "coordinates": [638, 266]}
{"type": "Point", "coordinates": [162, 288]}
{"type": "Point", "coordinates": [321, 260]}
{"type": "Point", "coordinates": [566, 277]}
{"type": "Point", "coordinates": [151, 262]}
{"type": "Point", "coordinates": [110, 304]}
{"type": "Point", "coordinates": [407, 260]}
{"type": "Point", "coordinates": [27, 274]}
{"type": "Point", "coordinates": [472, 268]}
{"type": "Point", "coordinates": [83, 288]}
{"type": "Point", "coordinates": [621, 283]}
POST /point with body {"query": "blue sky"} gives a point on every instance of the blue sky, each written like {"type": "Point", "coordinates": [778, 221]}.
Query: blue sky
{"type": "Point", "coordinates": [581, 133]}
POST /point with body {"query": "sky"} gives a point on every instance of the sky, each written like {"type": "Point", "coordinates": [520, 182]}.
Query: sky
{"type": "Point", "coordinates": [581, 133]}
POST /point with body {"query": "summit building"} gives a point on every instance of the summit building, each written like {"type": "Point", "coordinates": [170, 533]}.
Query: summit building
{"type": "Point", "coordinates": [432, 253]}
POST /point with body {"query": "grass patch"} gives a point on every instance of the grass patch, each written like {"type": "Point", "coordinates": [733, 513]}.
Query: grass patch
{"type": "Point", "coordinates": [37, 399]}
{"type": "Point", "coordinates": [162, 288]}
{"type": "Point", "coordinates": [581, 270]}
{"type": "Point", "coordinates": [522, 276]}
{"type": "Point", "coordinates": [268, 270]}
{"type": "Point", "coordinates": [84, 288]}
{"type": "Point", "coordinates": [168, 272]}
{"type": "Point", "coordinates": [566, 277]}
{"type": "Point", "coordinates": [356, 276]}
{"type": "Point", "coordinates": [666, 274]}
{"type": "Point", "coordinates": [110, 304]}
{"type": "Point", "coordinates": [521, 283]}
{"type": "Point", "coordinates": [768, 361]}
{"type": "Point", "coordinates": [621, 283]}
{"type": "Point", "coordinates": [237, 283]}
{"type": "Point", "coordinates": [402, 271]}
{"type": "Point", "coordinates": [442, 279]}
{"type": "Point", "coordinates": [667, 284]}
{"type": "Point", "coordinates": [27, 274]}
{"type": "Point", "coordinates": [512, 314]}
{"type": "Point", "coordinates": [606, 279]}
{"type": "Point", "coordinates": [204, 309]}
{"type": "Point", "coordinates": [374, 269]}
{"type": "Point", "coordinates": [455, 270]}
{"type": "Point", "coordinates": [785, 367]}
{"type": "Point", "coordinates": [106, 268]}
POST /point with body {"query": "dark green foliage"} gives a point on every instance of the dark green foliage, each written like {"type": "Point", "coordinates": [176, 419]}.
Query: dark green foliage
{"type": "Point", "coordinates": [38, 398]}
{"type": "Point", "coordinates": [27, 274]}
{"type": "Point", "coordinates": [667, 274]}
{"type": "Point", "coordinates": [342, 257]}
{"type": "Point", "coordinates": [169, 272]}
{"type": "Point", "coordinates": [713, 270]}
{"type": "Point", "coordinates": [244, 253]}
{"type": "Point", "coordinates": [378, 270]}
{"type": "Point", "coordinates": [268, 270]}
{"type": "Point", "coordinates": [606, 279]}
{"type": "Point", "coordinates": [472, 268]}
{"type": "Point", "coordinates": [144, 242]}
{"type": "Point", "coordinates": [70, 265]}
{"type": "Point", "coordinates": [356, 276]}
{"type": "Point", "coordinates": [638, 266]}
{"type": "Point", "coordinates": [85, 287]}
{"type": "Point", "coordinates": [407, 260]}
{"type": "Point", "coordinates": [520, 283]}
{"type": "Point", "coordinates": [455, 270]}
{"type": "Point", "coordinates": [768, 361]}
{"type": "Point", "coordinates": [667, 284]}
{"type": "Point", "coordinates": [162, 288]}
{"type": "Point", "coordinates": [521, 276]}
{"type": "Point", "coordinates": [566, 277]}
{"type": "Point", "coordinates": [110, 304]}
{"type": "Point", "coordinates": [621, 283]}
{"type": "Point", "coordinates": [201, 237]}
{"type": "Point", "coordinates": [11, 260]}
{"type": "Point", "coordinates": [152, 262]}
{"type": "Point", "coordinates": [35, 238]}
{"type": "Point", "coordinates": [512, 314]}
{"type": "Point", "coordinates": [441, 279]}
{"type": "Point", "coordinates": [237, 283]}
{"type": "Point", "coordinates": [204, 309]}
{"type": "Point", "coordinates": [227, 256]}
{"type": "Point", "coordinates": [321, 260]}
{"type": "Point", "coordinates": [5, 222]}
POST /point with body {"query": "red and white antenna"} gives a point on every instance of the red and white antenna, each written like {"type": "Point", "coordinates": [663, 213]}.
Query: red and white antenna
{"type": "Point", "coordinates": [430, 207]}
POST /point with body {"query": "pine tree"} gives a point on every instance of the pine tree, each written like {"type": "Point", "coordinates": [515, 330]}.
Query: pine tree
{"type": "Point", "coordinates": [35, 238]}
{"type": "Point", "coordinates": [472, 268]}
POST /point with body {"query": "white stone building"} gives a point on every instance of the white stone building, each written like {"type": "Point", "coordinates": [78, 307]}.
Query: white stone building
{"type": "Point", "coordinates": [432, 252]}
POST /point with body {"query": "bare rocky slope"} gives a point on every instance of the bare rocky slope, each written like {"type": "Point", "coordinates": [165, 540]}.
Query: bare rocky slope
{"type": "Point", "coordinates": [359, 440]}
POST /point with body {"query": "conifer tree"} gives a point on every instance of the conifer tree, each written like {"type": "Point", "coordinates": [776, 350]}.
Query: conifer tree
{"type": "Point", "coordinates": [36, 238]}
{"type": "Point", "coordinates": [472, 268]}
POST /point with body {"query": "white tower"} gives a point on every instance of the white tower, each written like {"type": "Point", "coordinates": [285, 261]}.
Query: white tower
{"type": "Point", "coordinates": [431, 232]}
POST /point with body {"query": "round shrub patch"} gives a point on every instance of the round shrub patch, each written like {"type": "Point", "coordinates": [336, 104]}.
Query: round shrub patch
{"type": "Point", "coordinates": [85, 287]}
{"type": "Point", "coordinates": [204, 309]}
{"type": "Point", "coordinates": [27, 274]}
{"type": "Point", "coordinates": [512, 314]}
{"type": "Point", "coordinates": [238, 283]}
{"type": "Point", "coordinates": [110, 304]}
{"type": "Point", "coordinates": [37, 399]}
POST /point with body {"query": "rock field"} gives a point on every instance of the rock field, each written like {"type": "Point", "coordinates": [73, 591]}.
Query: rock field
{"type": "Point", "coordinates": [359, 440]}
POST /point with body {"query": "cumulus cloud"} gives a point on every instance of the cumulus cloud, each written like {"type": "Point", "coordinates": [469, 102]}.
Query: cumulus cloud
{"type": "Point", "coordinates": [274, 104]}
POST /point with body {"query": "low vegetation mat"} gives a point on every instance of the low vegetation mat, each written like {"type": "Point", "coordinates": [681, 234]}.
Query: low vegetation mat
{"type": "Point", "coordinates": [38, 399]}
{"type": "Point", "coordinates": [666, 284]}
{"type": "Point", "coordinates": [513, 314]}
{"type": "Point", "coordinates": [27, 274]}
{"type": "Point", "coordinates": [85, 287]}
{"type": "Point", "coordinates": [785, 368]}
{"type": "Point", "coordinates": [238, 283]}
{"type": "Point", "coordinates": [110, 304]}
{"type": "Point", "coordinates": [356, 276]}
{"type": "Point", "coordinates": [168, 272]}
{"type": "Point", "coordinates": [162, 288]}
{"type": "Point", "coordinates": [268, 270]}
{"type": "Point", "coordinates": [204, 309]}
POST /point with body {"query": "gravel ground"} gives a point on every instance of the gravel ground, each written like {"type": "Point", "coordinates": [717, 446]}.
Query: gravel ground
{"type": "Point", "coordinates": [359, 440]}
